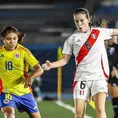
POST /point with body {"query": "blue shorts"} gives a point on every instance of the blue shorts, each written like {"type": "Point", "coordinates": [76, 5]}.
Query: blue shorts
{"type": "Point", "coordinates": [22, 103]}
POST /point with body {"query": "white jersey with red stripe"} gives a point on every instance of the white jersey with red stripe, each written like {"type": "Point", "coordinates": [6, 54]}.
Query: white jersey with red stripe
{"type": "Point", "coordinates": [93, 62]}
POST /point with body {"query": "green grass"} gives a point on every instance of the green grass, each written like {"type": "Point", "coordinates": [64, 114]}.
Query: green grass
{"type": "Point", "coordinates": [109, 111]}
{"type": "Point", "coordinates": [49, 109]}
{"type": "Point", "coordinates": [91, 112]}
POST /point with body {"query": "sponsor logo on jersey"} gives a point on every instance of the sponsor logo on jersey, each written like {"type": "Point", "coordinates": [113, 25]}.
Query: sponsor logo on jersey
{"type": "Point", "coordinates": [78, 40]}
{"type": "Point", "coordinates": [1, 55]}
{"type": "Point", "coordinates": [17, 55]}
{"type": "Point", "coordinates": [74, 38]}
{"type": "Point", "coordinates": [35, 107]}
{"type": "Point", "coordinates": [6, 101]}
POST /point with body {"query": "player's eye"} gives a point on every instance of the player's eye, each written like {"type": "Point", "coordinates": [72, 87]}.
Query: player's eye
{"type": "Point", "coordinates": [76, 21]}
{"type": "Point", "coordinates": [8, 38]}
{"type": "Point", "coordinates": [81, 20]}
{"type": "Point", "coordinates": [15, 38]}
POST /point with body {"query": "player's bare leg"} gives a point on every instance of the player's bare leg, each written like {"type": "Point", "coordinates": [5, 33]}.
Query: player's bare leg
{"type": "Point", "coordinates": [79, 108]}
{"type": "Point", "coordinates": [113, 91]}
{"type": "Point", "coordinates": [8, 111]}
{"type": "Point", "coordinates": [99, 100]}
{"type": "Point", "coordinates": [35, 115]}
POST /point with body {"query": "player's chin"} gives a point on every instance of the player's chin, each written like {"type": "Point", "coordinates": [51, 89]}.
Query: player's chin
{"type": "Point", "coordinates": [12, 47]}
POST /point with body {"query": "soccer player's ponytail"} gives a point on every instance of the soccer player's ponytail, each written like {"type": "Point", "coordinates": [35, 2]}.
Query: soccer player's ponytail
{"type": "Point", "coordinates": [21, 37]}
{"type": "Point", "coordinates": [99, 22]}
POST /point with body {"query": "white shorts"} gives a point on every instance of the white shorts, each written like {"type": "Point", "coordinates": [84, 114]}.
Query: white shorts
{"type": "Point", "coordinates": [86, 89]}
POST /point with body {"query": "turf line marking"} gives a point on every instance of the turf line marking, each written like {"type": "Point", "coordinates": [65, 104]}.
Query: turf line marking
{"type": "Point", "coordinates": [69, 107]}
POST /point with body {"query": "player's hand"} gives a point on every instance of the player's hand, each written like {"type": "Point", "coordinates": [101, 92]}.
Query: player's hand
{"type": "Point", "coordinates": [46, 66]}
{"type": "Point", "coordinates": [28, 82]}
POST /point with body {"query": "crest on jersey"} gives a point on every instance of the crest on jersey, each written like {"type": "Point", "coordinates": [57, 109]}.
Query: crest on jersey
{"type": "Point", "coordinates": [6, 101]}
{"type": "Point", "coordinates": [93, 36]}
{"type": "Point", "coordinates": [16, 55]}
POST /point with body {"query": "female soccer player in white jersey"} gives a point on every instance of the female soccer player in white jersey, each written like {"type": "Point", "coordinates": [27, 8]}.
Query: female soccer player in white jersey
{"type": "Point", "coordinates": [15, 87]}
{"type": "Point", "coordinates": [92, 70]}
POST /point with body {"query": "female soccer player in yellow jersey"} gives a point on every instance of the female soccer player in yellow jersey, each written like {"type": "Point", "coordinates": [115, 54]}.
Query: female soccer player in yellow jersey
{"type": "Point", "coordinates": [16, 89]}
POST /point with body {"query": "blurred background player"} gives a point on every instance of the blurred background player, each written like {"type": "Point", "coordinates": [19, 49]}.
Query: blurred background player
{"type": "Point", "coordinates": [36, 84]}
{"type": "Point", "coordinates": [112, 51]}
{"type": "Point", "coordinates": [16, 93]}
{"type": "Point", "coordinates": [36, 88]}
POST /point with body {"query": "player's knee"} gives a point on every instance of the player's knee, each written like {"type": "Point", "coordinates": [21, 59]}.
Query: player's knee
{"type": "Point", "coordinates": [9, 115]}
{"type": "Point", "coordinates": [79, 115]}
{"type": "Point", "coordinates": [100, 110]}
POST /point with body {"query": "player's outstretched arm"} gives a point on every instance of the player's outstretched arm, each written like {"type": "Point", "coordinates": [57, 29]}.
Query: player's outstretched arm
{"type": "Point", "coordinates": [115, 32]}
{"type": "Point", "coordinates": [59, 63]}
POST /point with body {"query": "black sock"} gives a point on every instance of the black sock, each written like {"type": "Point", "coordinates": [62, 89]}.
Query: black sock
{"type": "Point", "coordinates": [115, 106]}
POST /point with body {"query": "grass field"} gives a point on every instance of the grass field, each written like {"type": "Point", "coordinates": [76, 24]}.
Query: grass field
{"type": "Point", "coordinates": [49, 109]}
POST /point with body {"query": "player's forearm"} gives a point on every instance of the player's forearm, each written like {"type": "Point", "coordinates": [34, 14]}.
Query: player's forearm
{"type": "Point", "coordinates": [62, 62]}
{"type": "Point", "coordinates": [37, 72]}
{"type": "Point", "coordinates": [115, 32]}
{"type": "Point", "coordinates": [59, 63]}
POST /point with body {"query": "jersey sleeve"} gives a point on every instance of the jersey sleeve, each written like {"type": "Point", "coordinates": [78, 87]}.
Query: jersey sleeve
{"type": "Point", "coordinates": [30, 59]}
{"type": "Point", "coordinates": [106, 33]}
{"type": "Point", "coordinates": [67, 47]}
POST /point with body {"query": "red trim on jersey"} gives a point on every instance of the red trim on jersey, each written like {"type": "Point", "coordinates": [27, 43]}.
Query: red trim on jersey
{"type": "Point", "coordinates": [87, 45]}
{"type": "Point", "coordinates": [104, 70]}
{"type": "Point", "coordinates": [73, 86]}
{"type": "Point", "coordinates": [75, 72]}
{"type": "Point", "coordinates": [1, 86]}
{"type": "Point", "coordinates": [26, 76]}
{"type": "Point", "coordinates": [22, 48]}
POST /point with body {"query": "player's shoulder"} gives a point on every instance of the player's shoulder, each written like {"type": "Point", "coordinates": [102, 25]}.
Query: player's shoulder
{"type": "Point", "coordinates": [100, 28]}
{"type": "Point", "coordinates": [22, 48]}
{"type": "Point", "coordinates": [1, 48]}
{"type": "Point", "coordinates": [71, 36]}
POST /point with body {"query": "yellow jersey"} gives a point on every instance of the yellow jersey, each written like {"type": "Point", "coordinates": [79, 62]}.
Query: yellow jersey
{"type": "Point", "coordinates": [12, 69]}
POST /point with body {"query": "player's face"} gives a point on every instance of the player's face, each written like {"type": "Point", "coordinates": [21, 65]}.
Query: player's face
{"type": "Point", "coordinates": [10, 41]}
{"type": "Point", "coordinates": [81, 22]}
